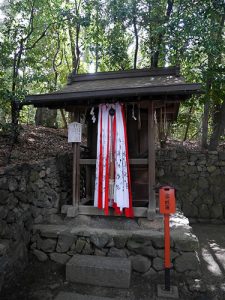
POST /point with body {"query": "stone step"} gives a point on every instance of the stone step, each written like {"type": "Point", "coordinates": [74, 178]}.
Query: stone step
{"type": "Point", "coordinates": [100, 271]}
{"type": "Point", "coordinates": [75, 296]}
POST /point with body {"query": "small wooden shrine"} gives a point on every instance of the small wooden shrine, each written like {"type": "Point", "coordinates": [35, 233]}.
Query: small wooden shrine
{"type": "Point", "coordinates": [150, 96]}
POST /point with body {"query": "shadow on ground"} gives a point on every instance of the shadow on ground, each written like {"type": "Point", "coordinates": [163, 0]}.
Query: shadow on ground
{"type": "Point", "coordinates": [212, 257]}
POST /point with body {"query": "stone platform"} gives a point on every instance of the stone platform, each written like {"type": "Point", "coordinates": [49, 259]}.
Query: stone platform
{"type": "Point", "coordinates": [75, 296]}
{"type": "Point", "coordinates": [99, 270]}
{"type": "Point", "coordinates": [139, 240]}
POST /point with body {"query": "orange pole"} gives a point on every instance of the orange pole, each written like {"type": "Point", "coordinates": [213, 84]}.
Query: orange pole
{"type": "Point", "coordinates": [167, 240]}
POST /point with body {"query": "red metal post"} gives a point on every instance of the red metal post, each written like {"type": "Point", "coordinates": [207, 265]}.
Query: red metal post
{"type": "Point", "coordinates": [166, 207]}
{"type": "Point", "coordinates": [167, 251]}
{"type": "Point", "coordinates": [167, 240]}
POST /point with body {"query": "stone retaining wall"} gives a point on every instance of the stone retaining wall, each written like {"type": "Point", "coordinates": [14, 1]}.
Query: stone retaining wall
{"type": "Point", "coordinates": [199, 178]}
{"type": "Point", "coordinates": [29, 194]}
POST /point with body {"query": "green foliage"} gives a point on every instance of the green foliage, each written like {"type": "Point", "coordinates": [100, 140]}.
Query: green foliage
{"type": "Point", "coordinates": [41, 41]}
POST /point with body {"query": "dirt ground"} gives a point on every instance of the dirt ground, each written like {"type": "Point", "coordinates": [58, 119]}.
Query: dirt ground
{"type": "Point", "coordinates": [43, 281]}
{"type": "Point", "coordinates": [34, 143]}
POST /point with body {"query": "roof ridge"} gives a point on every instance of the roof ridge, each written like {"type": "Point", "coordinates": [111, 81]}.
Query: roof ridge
{"type": "Point", "coordinates": [175, 71]}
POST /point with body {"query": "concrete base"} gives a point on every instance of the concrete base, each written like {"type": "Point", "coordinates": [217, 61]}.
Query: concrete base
{"type": "Point", "coordinates": [72, 211]}
{"type": "Point", "coordinates": [100, 271]}
{"type": "Point", "coordinates": [75, 296]}
{"type": "Point", "coordinates": [172, 294]}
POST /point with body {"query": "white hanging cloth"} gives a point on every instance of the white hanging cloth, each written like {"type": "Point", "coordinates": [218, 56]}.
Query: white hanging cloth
{"type": "Point", "coordinates": [112, 159]}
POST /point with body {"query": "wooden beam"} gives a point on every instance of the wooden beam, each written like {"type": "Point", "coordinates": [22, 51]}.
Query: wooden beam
{"type": "Point", "coordinates": [151, 162]}
{"type": "Point", "coordinates": [172, 71]}
{"type": "Point", "coordinates": [133, 161]}
{"type": "Point", "coordinates": [94, 211]}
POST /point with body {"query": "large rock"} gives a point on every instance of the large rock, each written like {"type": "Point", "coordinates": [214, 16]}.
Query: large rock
{"type": "Point", "coordinates": [189, 209]}
{"type": "Point", "coordinates": [173, 254]}
{"type": "Point", "coordinates": [3, 183]}
{"type": "Point", "coordinates": [120, 241]}
{"type": "Point", "coordinates": [157, 239]}
{"type": "Point", "coordinates": [140, 263]}
{"type": "Point", "coordinates": [133, 245]}
{"type": "Point", "coordinates": [4, 247]}
{"type": "Point", "coordinates": [114, 252]}
{"type": "Point", "coordinates": [100, 240]}
{"type": "Point", "coordinates": [158, 264]}
{"type": "Point", "coordinates": [4, 197]}
{"type": "Point", "coordinates": [48, 245]}
{"type": "Point", "coordinates": [3, 212]}
{"type": "Point", "coordinates": [13, 185]}
{"type": "Point", "coordinates": [64, 242]}
{"type": "Point", "coordinates": [80, 243]}
{"type": "Point", "coordinates": [217, 211]}
{"type": "Point", "coordinates": [207, 199]}
{"type": "Point", "coordinates": [211, 169]}
{"type": "Point", "coordinates": [60, 258]}
{"type": "Point", "coordinates": [100, 252]}
{"type": "Point", "coordinates": [184, 240]}
{"type": "Point", "coordinates": [12, 201]}
{"type": "Point", "coordinates": [143, 237]}
{"type": "Point", "coordinates": [100, 271]}
{"type": "Point", "coordinates": [203, 183]}
{"type": "Point", "coordinates": [204, 211]}
{"type": "Point", "coordinates": [87, 250]}
{"type": "Point", "coordinates": [147, 251]}
{"type": "Point", "coordinates": [38, 219]}
{"type": "Point", "coordinates": [3, 229]}
{"type": "Point", "coordinates": [186, 262]}
{"type": "Point", "coordinates": [142, 248]}
{"type": "Point", "coordinates": [41, 256]}
{"type": "Point", "coordinates": [21, 196]}
{"type": "Point", "coordinates": [49, 231]}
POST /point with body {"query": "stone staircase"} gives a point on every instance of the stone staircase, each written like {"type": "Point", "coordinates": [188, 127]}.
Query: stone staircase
{"type": "Point", "coordinates": [142, 244]}
{"type": "Point", "coordinates": [104, 252]}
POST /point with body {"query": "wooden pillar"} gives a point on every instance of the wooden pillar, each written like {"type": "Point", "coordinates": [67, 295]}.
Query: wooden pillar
{"type": "Point", "coordinates": [74, 174]}
{"type": "Point", "coordinates": [88, 182]}
{"type": "Point", "coordinates": [76, 170]}
{"type": "Point", "coordinates": [151, 163]}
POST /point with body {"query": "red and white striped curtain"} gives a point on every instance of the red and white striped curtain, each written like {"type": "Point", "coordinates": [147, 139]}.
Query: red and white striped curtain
{"type": "Point", "coordinates": [112, 161]}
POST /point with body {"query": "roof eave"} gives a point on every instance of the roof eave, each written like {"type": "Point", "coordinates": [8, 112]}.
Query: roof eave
{"type": "Point", "coordinates": [75, 97]}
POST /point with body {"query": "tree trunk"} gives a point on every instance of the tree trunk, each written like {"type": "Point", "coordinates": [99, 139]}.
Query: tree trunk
{"type": "Point", "coordinates": [155, 55]}
{"type": "Point", "coordinates": [216, 87]}
{"type": "Point", "coordinates": [205, 122]}
{"type": "Point", "coordinates": [218, 127]}
{"type": "Point", "coordinates": [46, 117]}
{"type": "Point", "coordinates": [188, 123]}
{"type": "Point", "coordinates": [136, 42]}
{"type": "Point", "coordinates": [63, 118]}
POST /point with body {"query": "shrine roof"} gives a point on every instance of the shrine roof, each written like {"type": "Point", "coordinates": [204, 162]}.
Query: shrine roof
{"type": "Point", "coordinates": [128, 86]}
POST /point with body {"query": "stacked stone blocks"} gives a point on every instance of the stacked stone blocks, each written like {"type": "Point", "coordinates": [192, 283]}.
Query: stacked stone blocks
{"type": "Point", "coordinates": [145, 248]}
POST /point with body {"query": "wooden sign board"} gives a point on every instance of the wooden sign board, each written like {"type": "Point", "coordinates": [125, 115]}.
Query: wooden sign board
{"type": "Point", "coordinates": [74, 132]}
